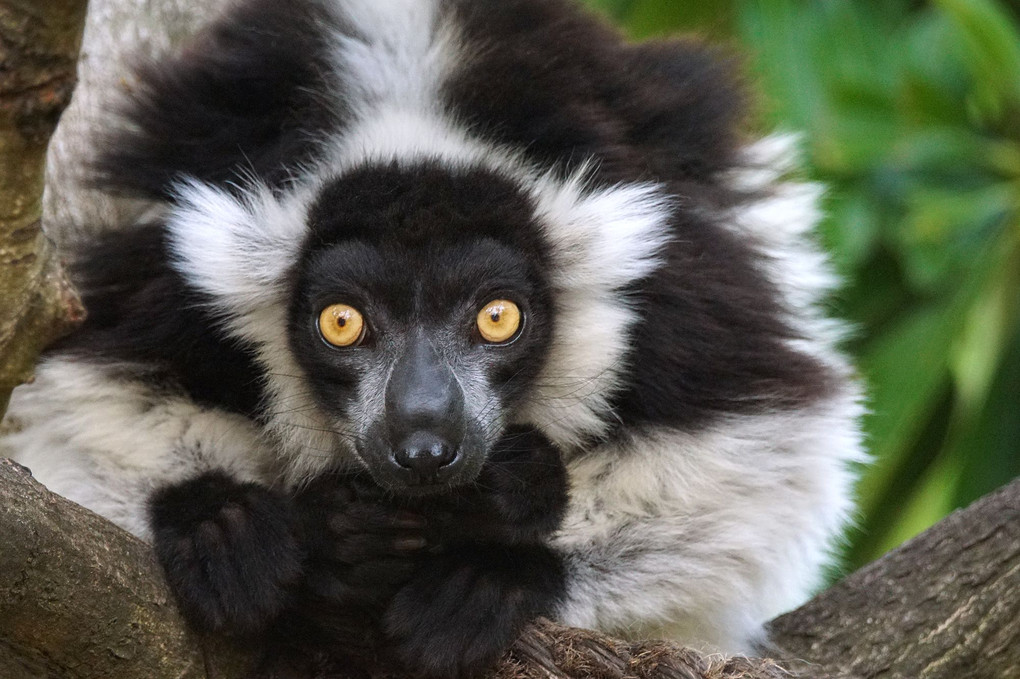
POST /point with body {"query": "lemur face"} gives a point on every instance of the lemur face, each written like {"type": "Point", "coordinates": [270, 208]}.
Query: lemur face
{"type": "Point", "coordinates": [422, 312]}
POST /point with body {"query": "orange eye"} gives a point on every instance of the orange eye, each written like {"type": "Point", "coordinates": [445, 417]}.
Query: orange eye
{"type": "Point", "coordinates": [341, 325]}
{"type": "Point", "coordinates": [499, 320]}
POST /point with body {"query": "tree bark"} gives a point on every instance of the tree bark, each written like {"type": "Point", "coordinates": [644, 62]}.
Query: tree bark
{"type": "Point", "coordinates": [945, 605]}
{"type": "Point", "coordinates": [80, 598]}
{"type": "Point", "coordinates": [39, 43]}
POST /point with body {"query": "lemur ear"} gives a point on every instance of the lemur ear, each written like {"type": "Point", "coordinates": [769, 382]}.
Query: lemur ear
{"type": "Point", "coordinates": [238, 103]}
{"type": "Point", "coordinates": [683, 107]}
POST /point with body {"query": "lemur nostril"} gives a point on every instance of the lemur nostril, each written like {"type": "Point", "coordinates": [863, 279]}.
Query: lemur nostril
{"type": "Point", "coordinates": [424, 453]}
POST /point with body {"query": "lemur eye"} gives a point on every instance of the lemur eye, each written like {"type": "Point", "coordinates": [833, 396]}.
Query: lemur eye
{"type": "Point", "coordinates": [499, 320]}
{"type": "Point", "coordinates": [341, 325]}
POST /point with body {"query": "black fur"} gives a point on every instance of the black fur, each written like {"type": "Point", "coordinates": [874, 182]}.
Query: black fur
{"type": "Point", "coordinates": [248, 99]}
{"type": "Point", "coordinates": [441, 585]}
{"type": "Point", "coordinates": [142, 312]}
{"type": "Point", "coordinates": [566, 88]}
{"type": "Point", "coordinates": [230, 551]}
{"type": "Point", "coordinates": [465, 605]}
{"type": "Point", "coordinates": [711, 339]}
{"type": "Point", "coordinates": [463, 608]}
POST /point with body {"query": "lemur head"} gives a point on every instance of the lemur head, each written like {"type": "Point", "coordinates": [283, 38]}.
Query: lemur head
{"type": "Point", "coordinates": [421, 313]}
{"type": "Point", "coordinates": [406, 311]}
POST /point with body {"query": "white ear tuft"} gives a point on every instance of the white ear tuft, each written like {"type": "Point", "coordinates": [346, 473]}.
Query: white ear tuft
{"type": "Point", "coordinates": [237, 250]}
{"type": "Point", "coordinates": [605, 239]}
{"type": "Point", "coordinates": [602, 240]}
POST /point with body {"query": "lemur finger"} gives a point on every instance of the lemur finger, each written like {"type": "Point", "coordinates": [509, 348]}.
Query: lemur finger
{"type": "Point", "coordinates": [357, 548]}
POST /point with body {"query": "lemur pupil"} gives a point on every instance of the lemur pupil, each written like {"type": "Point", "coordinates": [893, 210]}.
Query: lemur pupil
{"type": "Point", "coordinates": [495, 318]}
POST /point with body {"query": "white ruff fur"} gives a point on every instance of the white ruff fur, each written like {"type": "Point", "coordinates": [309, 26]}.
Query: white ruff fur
{"type": "Point", "coordinates": [239, 251]}
{"type": "Point", "coordinates": [602, 241]}
{"type": "Point", "coordinates": [106, 441]}
{"type": "Point", "coordinates": [704, 536]}
{"type": "Point", "coordinates": [397, 53]}
{"type": "Point", "coordinates": [780, 224]}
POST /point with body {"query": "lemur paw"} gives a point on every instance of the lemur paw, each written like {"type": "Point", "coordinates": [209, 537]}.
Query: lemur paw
{"type": "Point", "coordinates": [361, 549]}
{"type": "Point", "coordinates": [463, 609]}
{"type": "Point", "coordinates": [229, 551]}
{"type": "Point", "coordinates": [520, 495]}
{"type": "Point", "coordinates": [525, 482]}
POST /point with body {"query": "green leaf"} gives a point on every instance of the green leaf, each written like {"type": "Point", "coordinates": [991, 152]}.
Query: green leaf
{"type": "Point", "coordinates": [851, 229]}
{"type": "Point", "coordinates": [782, 39]}
{"type": "Point", "coordinates": [991, 51]}
{"type": "Point", "coordinates": [905, 367]}
{"type": "Point", "coordinates": [931, 499]}
{"type": "Point", "coordinates": [981, 450]}
{"type": "Point", "coordinates": [985, 336]}
{"type": "Point", "coordinates": [955, 152]}
{"type": "Point", "coordinates": [655, 17]}
{"type": "Point", "coordinates": [988, 447]}
{"type": "Point", "coordinates": [944, 229]}
{"type": "Point", "coordinates": [903, 371]}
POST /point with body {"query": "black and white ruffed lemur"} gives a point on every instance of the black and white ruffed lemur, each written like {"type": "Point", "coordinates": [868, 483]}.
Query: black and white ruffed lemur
{"type": "Point", "coordinates": [454, 313]}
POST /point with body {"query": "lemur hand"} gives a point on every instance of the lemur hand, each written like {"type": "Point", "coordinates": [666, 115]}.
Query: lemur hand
{"type": "Point", "coordinates": [230, 551]}
{"type": "Point", "coordinates": [361, 547]}
{"type": "Point", "coordinates": [519, 497]}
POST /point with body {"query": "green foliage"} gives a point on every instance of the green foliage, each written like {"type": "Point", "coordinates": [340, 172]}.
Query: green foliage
{"type": "Point", "coordinates": [910, 113]}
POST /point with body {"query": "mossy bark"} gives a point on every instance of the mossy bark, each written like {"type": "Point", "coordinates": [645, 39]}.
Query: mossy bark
{"type": "Point", "coordinates": [39, 43]}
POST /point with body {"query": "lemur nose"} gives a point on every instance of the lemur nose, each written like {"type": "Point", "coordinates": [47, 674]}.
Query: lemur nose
{"type": "Point", "coordinates": [424, 454]}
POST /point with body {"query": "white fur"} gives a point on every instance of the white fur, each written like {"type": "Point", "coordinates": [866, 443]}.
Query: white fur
{"type": "Point", "coordinates": [239, 251]}
{"type": "Point", "coordinates": [392, 134]}
{"type": "Point", "coordinates": [704, 536]}
{"type": "Point", "coordinates": [397, 53]}
{"type": "Point", "coordinates": [780, 223]}
{"type": "Point", "coordinates": [391, 61]}
{"type": "Point", "coordinates": [106, 441]}
{"type": "Point", "coordinates": [602, 240]}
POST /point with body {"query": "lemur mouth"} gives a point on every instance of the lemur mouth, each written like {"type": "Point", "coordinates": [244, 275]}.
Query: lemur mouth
{"type": "Point", "coordinates": [423, 489]}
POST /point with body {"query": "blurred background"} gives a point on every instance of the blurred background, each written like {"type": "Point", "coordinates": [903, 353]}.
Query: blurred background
{"type": "Point", "coordinates": [910, 114]}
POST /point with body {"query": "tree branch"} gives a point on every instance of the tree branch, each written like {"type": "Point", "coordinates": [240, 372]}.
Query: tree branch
{"type": "Point", "coordinates": [82, 598]}
{"type": "Point", "coordinates": [38, 50]}
{"type": "Point", "coordinates": [943, 606]}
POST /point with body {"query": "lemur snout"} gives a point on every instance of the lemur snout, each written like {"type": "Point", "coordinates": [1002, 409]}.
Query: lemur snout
{"type": "Point", "coordinates": [426, 456]}
{"type": "Point", "coordinates": [424, 416]}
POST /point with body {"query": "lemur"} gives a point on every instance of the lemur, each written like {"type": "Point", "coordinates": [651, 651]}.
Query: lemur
{"type": "Point", "coordinates": [453, 313]}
